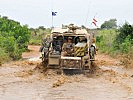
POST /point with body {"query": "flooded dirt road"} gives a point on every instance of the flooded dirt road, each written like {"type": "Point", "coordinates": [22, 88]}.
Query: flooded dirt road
{"type": "Point", "coordinates": [28, 80]}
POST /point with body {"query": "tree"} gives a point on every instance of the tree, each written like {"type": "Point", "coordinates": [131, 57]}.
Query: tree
{"type": "Point", "coordinates": [124, 40]}
{"type": "Point", "coordinates": [112, 23]}
{"type": "Point", "coordinates": [14, 37]}
{"type": "Point", "coordinates": [83, 27]}
{"type": "Point", "coordinates": [125, 31]}
{"type": "Point", "coordinates": [41, 27]}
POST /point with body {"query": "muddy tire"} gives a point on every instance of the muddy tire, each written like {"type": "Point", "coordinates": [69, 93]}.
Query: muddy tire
{"type": "Point", "coordinates": [92, 67]}
{"type": "Point", "coordinates": [59, 71]}
{"type": "Point", "coordinates": [45, 63]}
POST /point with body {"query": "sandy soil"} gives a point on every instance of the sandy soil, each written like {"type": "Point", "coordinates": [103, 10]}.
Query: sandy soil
{"type": "Point", "coordinates": [28, 80]}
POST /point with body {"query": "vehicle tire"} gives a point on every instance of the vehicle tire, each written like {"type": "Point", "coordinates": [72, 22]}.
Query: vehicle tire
{"type": "Point", "coordinates": [92, 67]}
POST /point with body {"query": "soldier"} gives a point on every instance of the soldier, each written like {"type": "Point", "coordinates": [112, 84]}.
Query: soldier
{"type": "Point", "coordinates": [82, 40]}
{"type": "Point", "coordinates": [92, 49]}
{"type": "Point", "coordinates": [45, 47]}
{"type": "Point", "coordinates": [81, 47]}
{"type": "Point", "coordinates": [68, 48]}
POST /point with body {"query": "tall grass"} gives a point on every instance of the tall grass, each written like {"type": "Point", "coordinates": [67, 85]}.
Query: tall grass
{"type": "Point", "coordinates": [105, 40]}
{"type": "Point", "coordinates": [38, 35]}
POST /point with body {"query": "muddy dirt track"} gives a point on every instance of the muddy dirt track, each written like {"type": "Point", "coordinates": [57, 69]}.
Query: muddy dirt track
{"type": "Point", "coordinates": [28, 80]}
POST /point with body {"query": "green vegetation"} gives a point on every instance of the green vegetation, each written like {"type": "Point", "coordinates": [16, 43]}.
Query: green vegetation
{"type": "Point", "coordinates": [14, 39]}
{"type": "Point", "coordinates": [105, 39]}
{"type": "Point", "coordinates": [117, 42]}
{"type": "Point", "coordinates": [3, 56]}
{"type": "Point", "coordinates": [112, 23]}
{"type": "Point", "coordinates": [124, 40]}
{"type": "Point", "coordinates": [38, 34]}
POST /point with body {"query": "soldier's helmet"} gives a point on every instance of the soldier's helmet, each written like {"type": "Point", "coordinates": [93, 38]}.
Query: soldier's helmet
{"type": "Point", "coordinates": [69, 38]}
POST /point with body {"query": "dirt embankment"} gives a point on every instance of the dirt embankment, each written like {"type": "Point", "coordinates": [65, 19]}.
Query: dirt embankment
{"type": "Point", "coordinates": [29, 80]}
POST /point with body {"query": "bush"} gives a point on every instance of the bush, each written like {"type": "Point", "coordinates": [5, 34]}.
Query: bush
{"type": "Point", "coordinates": [124, 40]}
{"type": "Point", "coordinates": [125, 47]}
{"type": "Point", "coordinates": [3, 56]}
{"type": "Point", "coordinates": [14, 38]}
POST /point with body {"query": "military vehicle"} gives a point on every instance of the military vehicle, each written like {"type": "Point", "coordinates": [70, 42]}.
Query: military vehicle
{"type": "Point", "coordinates": [83, 50]}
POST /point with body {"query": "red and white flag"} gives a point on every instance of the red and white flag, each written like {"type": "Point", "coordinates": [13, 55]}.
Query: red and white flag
{"type": "Point", "coordinates": [94, 21]}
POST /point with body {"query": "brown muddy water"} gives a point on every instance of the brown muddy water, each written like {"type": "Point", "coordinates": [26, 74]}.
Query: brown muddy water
{"type": "Point", "coordinates": [28, 80]}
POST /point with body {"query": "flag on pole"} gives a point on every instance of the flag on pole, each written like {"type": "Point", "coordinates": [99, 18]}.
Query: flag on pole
{"type": "Point", "coordinates": [94, 21]}
{"type": "Point", "coordinates": [54, 13]}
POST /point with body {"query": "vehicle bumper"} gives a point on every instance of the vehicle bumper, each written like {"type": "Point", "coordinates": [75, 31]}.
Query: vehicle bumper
{"type": "Point", "coordinates": [71, 62]}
